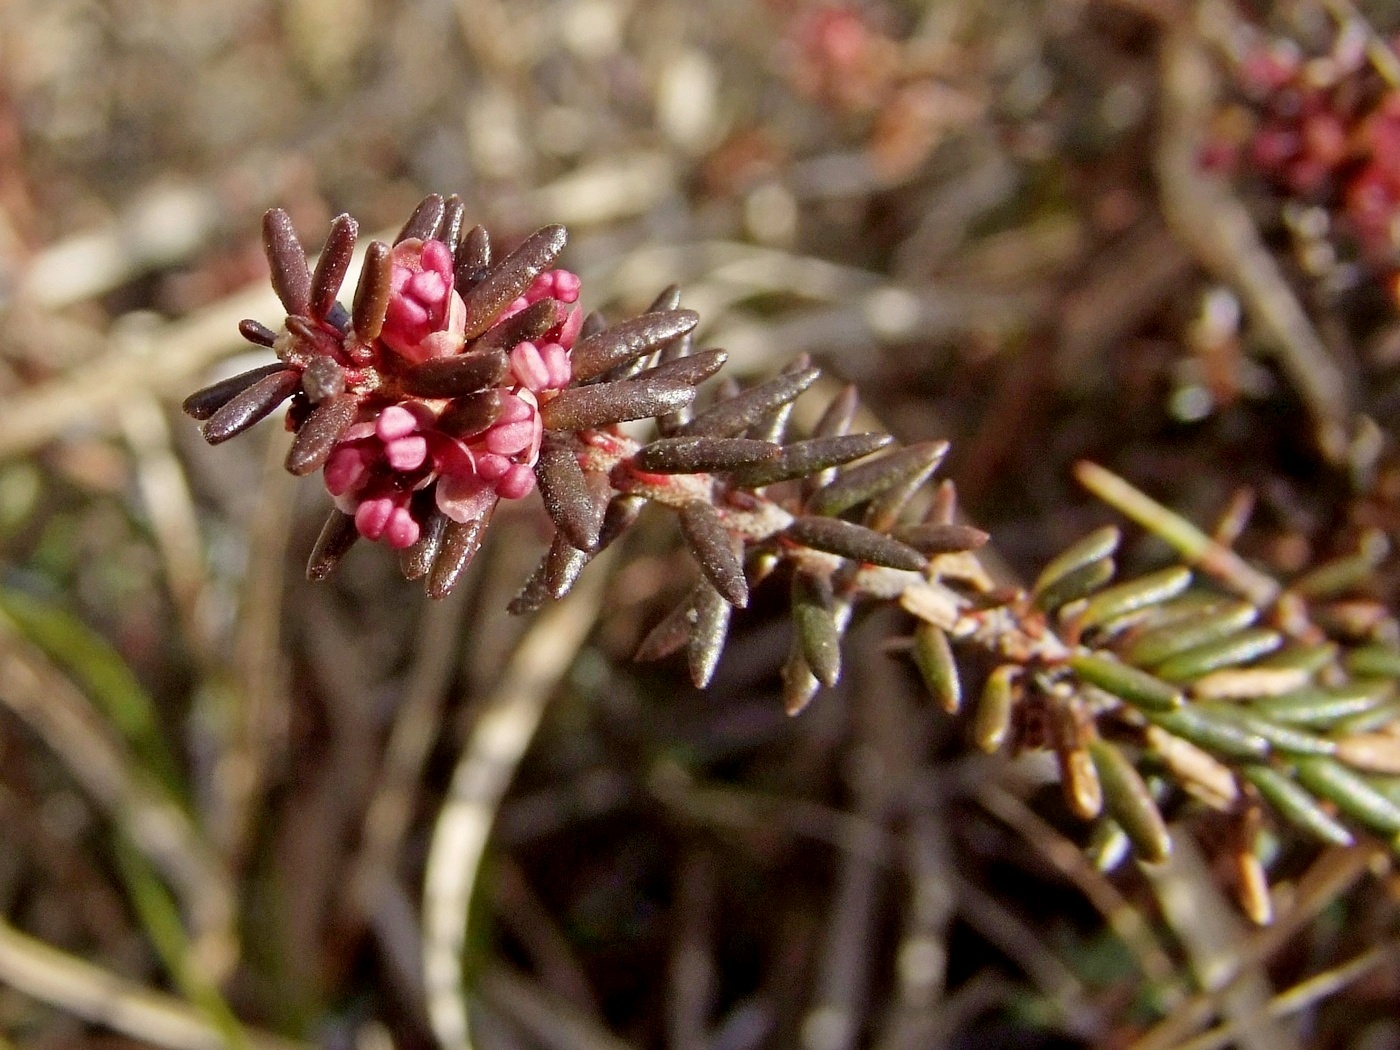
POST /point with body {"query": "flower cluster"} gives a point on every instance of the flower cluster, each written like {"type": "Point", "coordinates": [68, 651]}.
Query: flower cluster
{"type": "Point", "coordinates": [424, 404]}
{"type": "Point", "coordinates": [397, 447]}
{"type": "Point", "coordinates": [425, 397]}
{"type": "Point", "coordinates": [1329, 133]}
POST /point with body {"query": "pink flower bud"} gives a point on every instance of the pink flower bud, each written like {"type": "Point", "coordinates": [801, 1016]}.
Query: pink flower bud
{"type": "Point", "coordinates": [516, 483]}
{"type": "Point", "coordinates": [569, 330]}
{"type": "Point", "coordinates": [406, 453]}
{"type": "Point", "coordinates": [388, 519]}
{"type": "Point", "coordinates": [491, 466]}
{"type": "Point", "coordinates": [396, 421]}
{"type": "Point", "coordinates": [345, 469]}
{"type": "Point", "coordinates": [541, 367]}
{"type": "Point", "coordinates": [422, 304]}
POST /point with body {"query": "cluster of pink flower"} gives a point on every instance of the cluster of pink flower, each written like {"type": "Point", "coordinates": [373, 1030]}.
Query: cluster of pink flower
{"type": "Point", "coordinates": [396, 449]}
{"type": "Point", "coordinates": [839, 57]}
{"type": "Point", "coordinates": [1330, 134]}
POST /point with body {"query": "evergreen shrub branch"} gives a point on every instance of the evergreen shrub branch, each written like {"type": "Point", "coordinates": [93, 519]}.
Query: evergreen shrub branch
{"type": "Point", "coordinates": [457, 378]}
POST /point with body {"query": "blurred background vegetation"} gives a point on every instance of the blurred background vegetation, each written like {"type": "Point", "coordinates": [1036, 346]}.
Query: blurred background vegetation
{"type": "Point", "coordinates": [1036, 229]}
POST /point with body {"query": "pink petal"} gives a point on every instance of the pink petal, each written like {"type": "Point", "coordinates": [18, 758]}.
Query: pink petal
{"type": "Point", "coordinates": [515, 409]}
{"type": "Point", "coordinates": [507, 439]}
{"type": "Point", "coordinates": [516, 483]}
{"type": "Point", "coordinates": [373, 516]}
{"type": "Point", "coordinates": [436, 256]}
{"type": "Point", "coordinates": [396, 421]}
{"type": "Point", "coordinates": [405, 313]}
{"type": "Point", "coordinates": [465, 499]}
{"type": "Point", "coordinates": [428, 288]}
{"type": "Point", "coordinates": [529, 367]}
{"type": "Point", "coordinates": [401, 531]}
{"type": "Point", "coordinates": [451, 456]}
{"type": "Point", "coordinates": [406, 453]}
{"type": "Point", "coordinates": [492, 467]}
{"type": "Point", "coordinates": [566, 286]}
{"type": "Point", "coordinates": [568, 332]}
{"type": "Point", "coordinates": [456, 314]}
{"type": "Point", "coordinates": [439, 344]}
{"type": "Point", "coordinates": [557, 364]}
{"type": "Point", "coordinates": [344, 469]}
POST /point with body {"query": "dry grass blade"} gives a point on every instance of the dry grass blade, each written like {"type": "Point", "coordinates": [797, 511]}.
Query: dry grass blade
{"type": "Point", "coordinates": [498, 740]}
{"type": "Point", "coordinates": [1216, 943]}
{"type": "Point", "coordinates": [1311, 992]}
{"type": "Point", "coordinates": [1219, 229]}
{"type": "Point", "coordinates": [628, 340]}
{"type": "Point", "coordinates": [1331, 875]}
{"type": "Point", "coordinates": [546, 1018]}
{"type": "Point", "coordinates": [713, 547]}
{"type": "Point", "coordinates": [510, 277]}
{"type": "Point", "coordinates": [291, 279]}
{"type": "Point", "coordinates": [333, 264]}
{"type": "Point", "coordinates": [61, 716]}
{"type": "Point", "coordinates": [104, 998]}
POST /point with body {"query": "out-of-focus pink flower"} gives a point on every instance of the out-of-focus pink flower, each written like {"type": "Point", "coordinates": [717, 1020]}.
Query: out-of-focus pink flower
{"type": "Point", "coordinates": [426, 317]}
